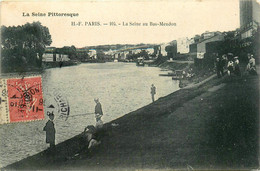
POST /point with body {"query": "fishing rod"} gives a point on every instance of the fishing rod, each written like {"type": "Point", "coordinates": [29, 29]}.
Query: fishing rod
{"type": "Point", "coordinates": [82, 114]}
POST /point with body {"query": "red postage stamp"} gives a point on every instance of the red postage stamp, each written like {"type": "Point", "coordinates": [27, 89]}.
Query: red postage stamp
{"type": "Point", "coordinates": [24, 100]}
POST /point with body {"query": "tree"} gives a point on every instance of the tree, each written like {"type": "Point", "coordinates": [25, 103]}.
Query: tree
{"type": "Point", "coordinates": [229, 43]}
{"type": "Point", "coordinates": [23, 46]}
{"type": "Point", "coordinates": [171, 51]}
{"type": "Point", "coordinates": [240, 47]}
{"type": "Point", "coordinates": [82, 54]}
{"type": "Point", "coordinates": [100, 55]}
{"type": "Point", "coordinates": [72, 52]}
{"type": "Point", "coordinates": [68, 50]}
{"type": "Point", "coordinates": [155, 50]}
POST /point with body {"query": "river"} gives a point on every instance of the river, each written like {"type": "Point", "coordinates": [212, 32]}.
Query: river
{"type": "Point", "coordinates": [120, 87]}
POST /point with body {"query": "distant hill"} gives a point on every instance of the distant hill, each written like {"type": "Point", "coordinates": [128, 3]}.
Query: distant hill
{"type": "Point", "coordinates": [117, 46]}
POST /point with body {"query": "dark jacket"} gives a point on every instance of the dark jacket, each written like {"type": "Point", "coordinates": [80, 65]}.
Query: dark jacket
{"type": "Point", "coordinates": [98, 109]}
{"type": "Point", "coordinates": [50, 132]}
{"type": "Point", "coordinates": [153, 90]}
{"type": "Point", "coordinates": [219, 65]}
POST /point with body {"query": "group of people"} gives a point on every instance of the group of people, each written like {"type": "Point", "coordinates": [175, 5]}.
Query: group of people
{"type": "Point", "coordinates": [89, 132]}
{"type": "Point", "coordinates": [227, 62]}
{"type": "Point", "coordinates": [232, 65]}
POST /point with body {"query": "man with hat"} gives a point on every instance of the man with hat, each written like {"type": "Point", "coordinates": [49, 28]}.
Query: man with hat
{"type": "Point", "coordinates": [50, 131]}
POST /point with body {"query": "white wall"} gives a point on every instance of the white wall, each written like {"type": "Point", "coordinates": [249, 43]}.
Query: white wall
{"type": "Point", "coordinates": [183, 45]}
{"type": "Point", "coordinates": [47, 57]}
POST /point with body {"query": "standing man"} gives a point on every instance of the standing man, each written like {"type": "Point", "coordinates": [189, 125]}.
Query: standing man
{"type": "Point", "coordinates": [153, 91]}
{"type": "Point", "coordinates": [50, 131]}
{"type": "Point", "coordinates": [98, 110]}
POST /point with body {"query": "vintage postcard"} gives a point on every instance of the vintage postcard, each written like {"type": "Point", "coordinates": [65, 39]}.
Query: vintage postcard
{"type": "Point", "coordinates": [129, 85]}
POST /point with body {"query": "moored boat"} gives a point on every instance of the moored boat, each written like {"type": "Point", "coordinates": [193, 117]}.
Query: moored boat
{"type": "Point", "coordinates": [178, 75]}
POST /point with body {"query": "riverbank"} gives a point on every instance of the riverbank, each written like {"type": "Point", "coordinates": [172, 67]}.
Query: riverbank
{"type": "Point", "coordinates": [171, 65]}
{"type": "Point", "coordinates": [45, 65]}
{"type": "Point", "coordinates": [133, 81]}
{"type": "Point", "coordinates": [213, 126]}
{"type": "Point", "coordinates": [198, 74]}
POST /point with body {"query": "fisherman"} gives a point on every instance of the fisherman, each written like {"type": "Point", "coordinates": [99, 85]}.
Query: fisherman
{"type": "Point", "coordinates": [98, 110]}
{"type": "Point", "coordinates": [90, 134]}
{"type": "Point", "coordinates": [50, 131]}
{"type": "Point", "coordinates": [153, 91]}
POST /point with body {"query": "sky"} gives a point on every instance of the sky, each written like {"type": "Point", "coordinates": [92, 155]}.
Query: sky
{"type": "Point", "coordinates": [191, 17]}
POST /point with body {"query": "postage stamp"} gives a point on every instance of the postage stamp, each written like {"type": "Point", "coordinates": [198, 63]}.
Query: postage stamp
{"type": "Point", "coordinates": [21, 100]}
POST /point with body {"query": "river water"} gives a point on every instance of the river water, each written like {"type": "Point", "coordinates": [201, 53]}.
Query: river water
{"type": "Point", "coordinates": [120, 87]}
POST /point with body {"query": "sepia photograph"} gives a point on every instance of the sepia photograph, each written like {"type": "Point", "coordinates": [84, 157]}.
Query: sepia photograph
{"type": "Point", "coordinates": [129, 85]}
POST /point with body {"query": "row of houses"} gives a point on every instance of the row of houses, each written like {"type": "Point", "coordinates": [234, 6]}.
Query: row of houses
{"type": "Point", "coordinates": [51, 55]}
{"type": "Point", "coordinates": [124, 53]}
{"type": "Point", "coordinates": [195, 47]}
{"type": "Point", "coordinates": [208, 42]}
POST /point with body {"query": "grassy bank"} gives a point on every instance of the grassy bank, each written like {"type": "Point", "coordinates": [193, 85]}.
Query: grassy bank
{"type": "Point", "coordinates": [212, 126]}
{"type": "Point", "coordinates": [174, 66]}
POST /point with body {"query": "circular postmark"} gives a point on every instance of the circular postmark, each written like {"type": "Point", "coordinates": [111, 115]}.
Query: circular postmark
{"type": "Point", "coordinates": [59, 104]}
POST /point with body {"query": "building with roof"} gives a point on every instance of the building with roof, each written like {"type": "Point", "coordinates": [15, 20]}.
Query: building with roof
{"type": "Point", "coordinates": [199, 49]}
{"type": "Point", "coordinates": [55, 57]}
{"type": "Point", "coordinates": [53, 54]}
{"type": "Point", "coordinates": [183, 45]}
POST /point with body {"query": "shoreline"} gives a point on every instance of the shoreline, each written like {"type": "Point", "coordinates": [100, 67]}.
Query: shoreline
{"type": "Point", "coordinates": [71, 153]}
{"type": "Point", "coordinates": [105, 124]}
